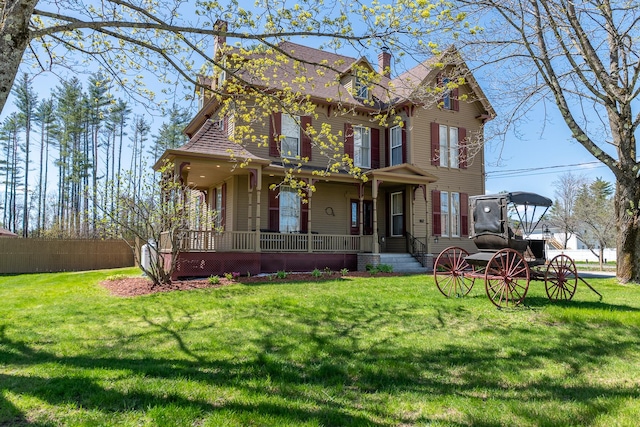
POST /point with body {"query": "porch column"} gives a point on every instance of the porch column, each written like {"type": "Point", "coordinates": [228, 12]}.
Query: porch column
{"type": "Point", "coordinates": [361, 209]}
{"type": "Point", "coordinates": [374, 196]}
{"type": "Point", "coordinates": [309, 240]}
{"type": "Point", "coordinates": [250, 207]}
{"type": "Point", "coordinates": [258, 186]}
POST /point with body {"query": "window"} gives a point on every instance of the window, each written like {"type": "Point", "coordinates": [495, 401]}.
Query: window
{"type": "Point", "coordinates": [361, 147]}
{"type": "Point", "coordinates": [446, 95]}
{"type": "Point", "coordinates": [455, 214]}
{"type": "Point", "coordinates": [395, 137]}
{"type": "Point", "coordinates": [290, 145]}
{"type": "Point", "coordinates": [289, 210]}
{"type": "Point", "coordinates": [362, 90]}
{"type": "Point", "coordinates": [444, 212]}
{"type": "Point", "coordinates": [450, 214]}
{"type": "Point", "coordinates": [449, 146]}
{"type": "Point", "coordinates": [397, 214]}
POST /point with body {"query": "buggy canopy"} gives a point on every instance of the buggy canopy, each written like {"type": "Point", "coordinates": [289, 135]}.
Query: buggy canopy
{"type": "Point", "coordinates": [519, 198]}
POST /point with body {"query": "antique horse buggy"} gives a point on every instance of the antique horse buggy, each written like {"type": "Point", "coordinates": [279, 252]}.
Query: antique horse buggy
{"type": "Point", "coordinates": [507, 258]}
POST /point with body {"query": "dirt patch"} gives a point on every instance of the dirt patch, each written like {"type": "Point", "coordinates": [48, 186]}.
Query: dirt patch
{"type": "Point", "coordinates": [134, 286]}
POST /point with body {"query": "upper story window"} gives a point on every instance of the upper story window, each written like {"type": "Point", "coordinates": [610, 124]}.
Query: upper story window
{"type": "Point", "coordinates": [447, 104]}
{"type": "Point", "coordinates": [395, 144]}
{"type": "Point", "coordinates": [449, 146]}
{"type": "Point", "coordinates": [361, 147]}
{"type": "Point", "coordinates": [362, 90]}
{"type": "Point", "coordinates": [290, 144]}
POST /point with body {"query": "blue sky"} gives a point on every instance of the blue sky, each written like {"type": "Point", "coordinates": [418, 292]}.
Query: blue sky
{"type": "Point", "coordinates": [520, 164]}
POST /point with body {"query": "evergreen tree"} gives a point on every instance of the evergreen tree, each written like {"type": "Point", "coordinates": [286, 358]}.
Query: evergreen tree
{"type": "Point", "coordinates": [26, 102]}
{"type": "Point", "coordinates": [45, 118]}
{"type": "Point", "coordinates": [171, 133]}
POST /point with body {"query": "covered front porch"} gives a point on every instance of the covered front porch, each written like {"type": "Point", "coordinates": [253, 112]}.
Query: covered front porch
{"type": "Point", "coordinates": [344, 223]}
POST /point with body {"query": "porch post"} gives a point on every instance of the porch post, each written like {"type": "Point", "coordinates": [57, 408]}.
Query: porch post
{"type": "Point", "coordinates": [374, 196]}
{"type": "Point", "coordinates": [258, 185]}
{"type": "Point", "coordinates": [250, 208]}
{"type": "Point", "coordinates": [361, 209]}
{"type": "Point", "coordinates": [309, 241]}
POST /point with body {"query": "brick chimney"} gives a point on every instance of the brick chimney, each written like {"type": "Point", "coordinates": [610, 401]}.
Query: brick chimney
{"type": "Point", "coordinates": [384, 62]}
{"type": "Point", "coordinates": [221, 39]}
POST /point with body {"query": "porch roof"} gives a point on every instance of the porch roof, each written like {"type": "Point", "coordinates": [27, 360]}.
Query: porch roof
{"type": "Point", "coordinates": [211, 157]}
{"type": "Point", "coordinates": [404, 173]}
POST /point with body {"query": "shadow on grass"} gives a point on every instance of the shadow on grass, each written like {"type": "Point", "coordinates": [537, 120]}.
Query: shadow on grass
{"type": "Point", "coordinates": [345, 374]}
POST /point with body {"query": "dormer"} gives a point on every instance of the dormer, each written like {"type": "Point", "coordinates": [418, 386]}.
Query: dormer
{"type": "Point", "coordinates": [357, 80]}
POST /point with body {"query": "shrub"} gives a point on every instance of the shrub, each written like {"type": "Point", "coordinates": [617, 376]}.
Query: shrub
{"type": "Point", "coordinates": [214, 280]}
{"type": "Point", "coordinates": [228, 276]}
{"type": "Point", "coordinates": [316, 273]}
{"type": "Point", "coordinates": [344, 271]}
{"type": "Point", "coordinates": [281, 274]}
{"type": "Point", "coordinates": [385, 268]}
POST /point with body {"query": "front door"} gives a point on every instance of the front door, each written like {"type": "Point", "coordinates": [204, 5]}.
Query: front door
{"type": "Point", "coordinates": [367, 226]}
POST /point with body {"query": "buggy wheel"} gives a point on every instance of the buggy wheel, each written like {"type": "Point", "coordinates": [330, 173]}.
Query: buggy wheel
{"type": "Point", "coordinates": [507, 278]}
{"type": "Point", "coordinates": [450, 272]}
{"type": "Point", "coordinates": [561, 279]}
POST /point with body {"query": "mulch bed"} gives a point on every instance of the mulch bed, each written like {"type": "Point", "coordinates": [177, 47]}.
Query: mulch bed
{"type": "Point", "coordinates": [134, 286]}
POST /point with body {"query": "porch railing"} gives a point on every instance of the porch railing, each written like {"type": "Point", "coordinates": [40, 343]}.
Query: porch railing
{"type": "Point", "coordinates": [417, 248]}
{"type": "Point", "coordinates": [245, 241]}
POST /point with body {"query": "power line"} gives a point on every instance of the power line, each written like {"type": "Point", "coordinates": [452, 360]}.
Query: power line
{"type": "Point", "coordinates": [523, 172]}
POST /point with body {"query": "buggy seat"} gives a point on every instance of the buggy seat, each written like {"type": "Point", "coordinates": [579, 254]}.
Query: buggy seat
{"type": "Point", "coordinates": [490, 228]}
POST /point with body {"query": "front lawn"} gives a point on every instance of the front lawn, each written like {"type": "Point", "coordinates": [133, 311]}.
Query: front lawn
{"type": "Point", "coordinates": [373, 351]}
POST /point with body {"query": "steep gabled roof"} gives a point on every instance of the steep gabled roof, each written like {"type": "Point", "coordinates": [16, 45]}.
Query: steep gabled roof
{"type": "Point", "coordinates": [409, 82]}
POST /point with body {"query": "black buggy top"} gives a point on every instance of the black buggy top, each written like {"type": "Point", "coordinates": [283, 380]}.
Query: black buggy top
{"type": "Point", "coordinates": [494, 225]}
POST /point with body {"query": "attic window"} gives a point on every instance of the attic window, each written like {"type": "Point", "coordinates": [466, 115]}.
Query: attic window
{"type": "Point", "coordinates": [362, 90]}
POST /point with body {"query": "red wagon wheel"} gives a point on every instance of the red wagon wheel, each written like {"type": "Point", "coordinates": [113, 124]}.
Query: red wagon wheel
{"type": "Point", "coordinates": [561, 278]}
{"type": "Point", "coordinates": [451, 271]}
{"type": "Point", "coordinates": [507, 278]}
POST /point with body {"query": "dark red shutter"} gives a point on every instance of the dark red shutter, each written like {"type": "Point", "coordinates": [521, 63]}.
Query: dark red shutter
{"type": "Point", "coordinates": [435, 144]}
{"type": "Point", "coordinates": [404, 142]}
{"type": "Point", "coordinates": [436, 213]}
{"type": "Point", "coordinates": [455, 104]}
{"type": "Point", "coordinates": [464, 214]}
{"type": "Point", "coordinates": [304, 216]}
{"type": "Point", "coordinates": [305, 140]}
{"type": "Point", "coordinates": [275, 129]}
{"type": "Point", "coordinates": [387, 141]}
{"type": "Point", "coordinates": [462, 148]}
{"type": "Point", "coordinates": [223, 206]}
{"type": "Point", "coordinates": [274, 211]}
{"type": "Point", "coordinates": [348, 140]}
{"type": "Point", "coordinates": [375, 148]}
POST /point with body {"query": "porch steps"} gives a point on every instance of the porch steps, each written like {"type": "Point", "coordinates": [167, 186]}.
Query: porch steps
{"type": "Point", "coordinates": [402, 263]}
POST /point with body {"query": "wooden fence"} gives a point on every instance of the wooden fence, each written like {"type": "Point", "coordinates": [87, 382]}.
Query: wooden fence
{"type": "Point", "coordinates": [50, 255]}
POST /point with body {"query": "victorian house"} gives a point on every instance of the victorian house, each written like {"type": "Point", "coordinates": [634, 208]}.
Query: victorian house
{"type": "Point", "coordinates": [420, 168]}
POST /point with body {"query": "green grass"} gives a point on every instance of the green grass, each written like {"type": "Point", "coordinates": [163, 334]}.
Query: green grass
{"type": "Point", "coordinates": [373, 351]}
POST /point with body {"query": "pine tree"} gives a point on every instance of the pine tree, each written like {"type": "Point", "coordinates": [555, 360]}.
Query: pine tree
{"type": "Point", "coordinates": [26, 102]}
{"type": "Point", "coordinates": [45, 118]}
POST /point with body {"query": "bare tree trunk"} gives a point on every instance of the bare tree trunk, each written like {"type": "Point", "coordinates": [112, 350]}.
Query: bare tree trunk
{"type": "Point", "coordinates": [14, 38]}
{"type": "Point", "coordinates": [627, 198]}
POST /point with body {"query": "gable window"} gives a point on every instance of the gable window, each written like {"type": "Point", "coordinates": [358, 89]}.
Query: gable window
{"type": "Point", "coordinates": [449, 147]}
{"type": "Point", "coordinates": [361, 147]}
{"type": "Point", "coordinates": [446, 95]}
{"type": "Point", "coordinates": [397, 214]}
{"type": "Point", "coordinates": [290, 145]}
{"type": "Point", "coordinates": [395, 137]}
{"type": "Point", "coordinates": [289, 210]}
{"type": "Point", "coordinates": [362, 90]}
